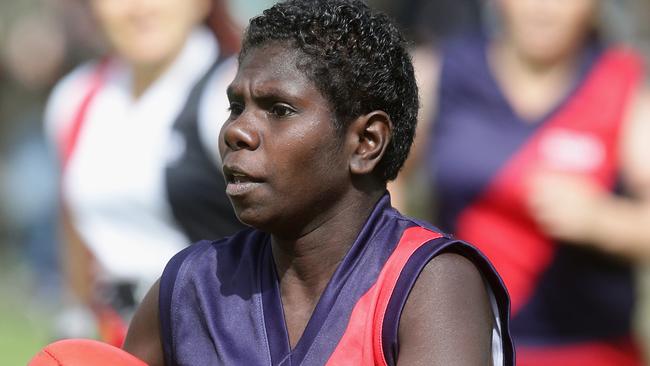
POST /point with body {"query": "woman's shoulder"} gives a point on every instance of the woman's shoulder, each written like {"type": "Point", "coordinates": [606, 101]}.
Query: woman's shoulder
{"type": "Point", "coordinates": [74, 82]}
{"type": "Point", "coordinates": [66, 96]}
{"type": "Point", "coordinates": [206, 254]}
{"type": "Point", "coordinates": [466, 49]}
{"type": "Point", "coordinates": [466, 289]}
{"type": "Point", "coordinates": [464, 68]}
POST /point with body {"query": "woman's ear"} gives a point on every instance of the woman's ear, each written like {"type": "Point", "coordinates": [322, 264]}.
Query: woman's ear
{"type": "Point", "coordinates": [371, 133]}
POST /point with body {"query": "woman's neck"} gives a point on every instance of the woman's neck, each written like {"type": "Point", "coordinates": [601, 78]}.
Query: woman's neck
{"type": "Point", "coordinates": [146, 75]}
{"type": "Point", "coordinates": [142, 80]}
{"type": "Point", "coordinates": [532, 86]}
{"type": "Point", "coordinates": [306, 263]}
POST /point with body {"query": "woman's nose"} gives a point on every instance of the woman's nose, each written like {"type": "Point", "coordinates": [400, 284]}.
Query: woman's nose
{"type": "Point", "coordinates": [241, 134]}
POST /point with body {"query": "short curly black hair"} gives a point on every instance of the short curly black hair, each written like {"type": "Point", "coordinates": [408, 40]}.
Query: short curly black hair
{"type": "Point", "coordinates": [357, 59]}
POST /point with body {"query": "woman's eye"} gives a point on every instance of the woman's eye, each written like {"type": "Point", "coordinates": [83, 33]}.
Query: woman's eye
{"type": "Point", "coordinates": [281, 110]}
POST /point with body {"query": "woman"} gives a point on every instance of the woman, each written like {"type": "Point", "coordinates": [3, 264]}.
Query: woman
{"type": "Point", "coordinates": [139, 180]}
{"type": "Point", "coordinates": [535, 129]}
{"type": "Point", "coordinates": [322, 115]}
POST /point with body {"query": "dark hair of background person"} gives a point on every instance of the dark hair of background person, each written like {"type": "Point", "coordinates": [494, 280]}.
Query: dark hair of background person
{"type": "Point", "coordinates": [357, 59]}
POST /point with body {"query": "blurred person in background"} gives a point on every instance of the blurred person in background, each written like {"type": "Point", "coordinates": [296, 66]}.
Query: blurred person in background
{"type": "Point", "coordinates": [538, 153]}
{"type": "Point", "coordinates": [33, 52]}
{"type": "Point", "coordinates": [140, 177]}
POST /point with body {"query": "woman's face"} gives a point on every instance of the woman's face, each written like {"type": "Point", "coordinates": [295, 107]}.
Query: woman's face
{"type": "Point", "coordinates": [283, 160]}
{"type": "Point", "coordinates": [545, 30]}
{"type": "Point", "coordinates": [148, 32]}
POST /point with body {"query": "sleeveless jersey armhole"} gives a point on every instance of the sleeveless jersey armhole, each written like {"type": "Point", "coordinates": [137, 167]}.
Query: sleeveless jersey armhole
{"type": "Point", "coordinates": [165, 296]}
{"type": "Point", "coordinates": [502, 350]}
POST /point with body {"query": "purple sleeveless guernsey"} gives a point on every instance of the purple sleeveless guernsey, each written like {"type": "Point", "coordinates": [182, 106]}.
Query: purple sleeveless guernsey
{"type": "Point", "coordinates": [571, 305]}
{"type": "Point", "coordinates": [220, 302]}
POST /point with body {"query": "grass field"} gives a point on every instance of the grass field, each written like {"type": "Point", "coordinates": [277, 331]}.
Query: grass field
{"type": "Point", "coordinates": [24, 320]}
{"type": "Point", "coordinates": [21, 336]}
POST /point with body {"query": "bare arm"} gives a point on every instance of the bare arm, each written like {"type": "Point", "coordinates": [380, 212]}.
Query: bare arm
{"type": "Point", "coordinates": [447, 319]}
{"type": "Point", "coordinates": [76, 260]}
{"type": "Point", "coordinates": [143, 339]}
{"type": "Point", "coordinates": [624, 225]}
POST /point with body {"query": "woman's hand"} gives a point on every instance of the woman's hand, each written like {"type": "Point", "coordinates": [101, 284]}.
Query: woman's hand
{"type": "Point", "coordinates": [566, 206]}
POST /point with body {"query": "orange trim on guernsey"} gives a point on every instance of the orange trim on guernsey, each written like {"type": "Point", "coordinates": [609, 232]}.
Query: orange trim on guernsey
{"type": "Point", "coordinates": [361, 343]}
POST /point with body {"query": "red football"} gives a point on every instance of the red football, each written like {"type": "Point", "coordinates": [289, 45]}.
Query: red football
{"type": "Point", "coordinates": [83, 352]}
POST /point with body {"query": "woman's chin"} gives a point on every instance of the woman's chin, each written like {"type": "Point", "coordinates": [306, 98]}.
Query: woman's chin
{"type": "Point", "coordinates": [251, 218]}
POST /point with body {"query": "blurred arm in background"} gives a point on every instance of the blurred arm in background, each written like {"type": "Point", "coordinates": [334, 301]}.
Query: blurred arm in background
{"type": "Point", "coordinates": [576, 210]}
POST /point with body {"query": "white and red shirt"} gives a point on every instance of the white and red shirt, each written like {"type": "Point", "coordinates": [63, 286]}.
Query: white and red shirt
{"type": "Point", "coordinates": [114, 182]}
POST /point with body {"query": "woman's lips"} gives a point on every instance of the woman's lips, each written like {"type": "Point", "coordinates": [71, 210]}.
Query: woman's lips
{"type": "Point", "coordinates": [240, 188]}
{"type": "Point", "coordinates": [238, 182]}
